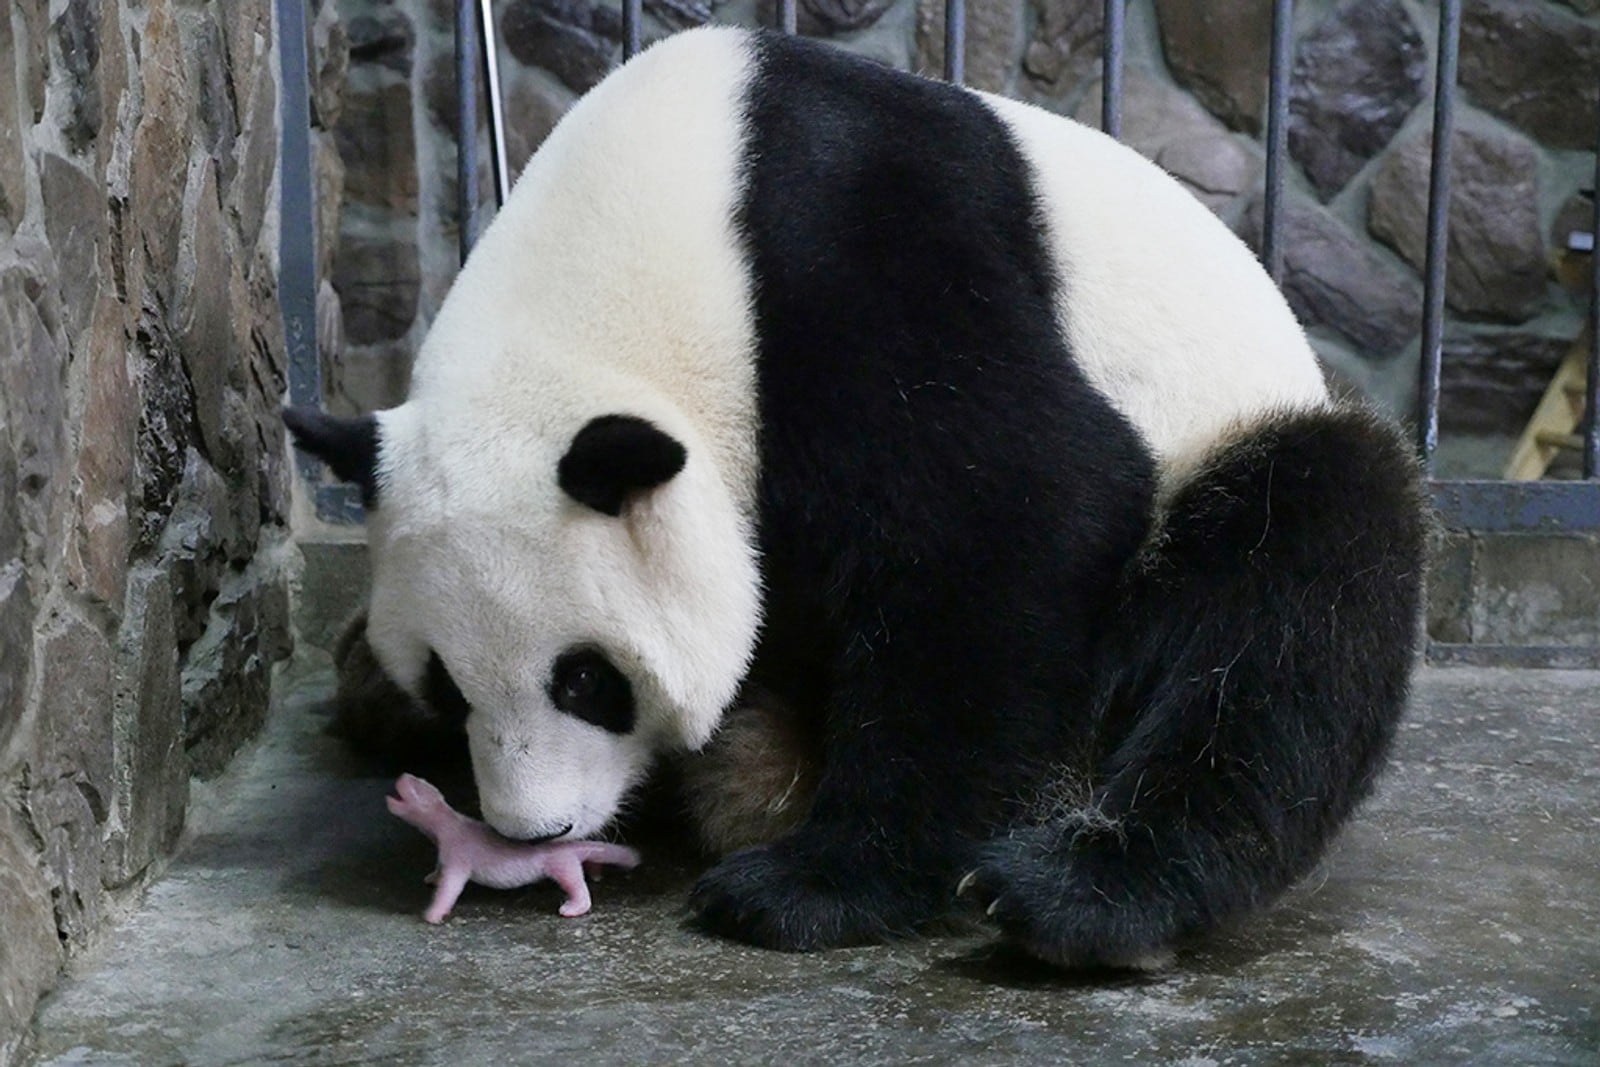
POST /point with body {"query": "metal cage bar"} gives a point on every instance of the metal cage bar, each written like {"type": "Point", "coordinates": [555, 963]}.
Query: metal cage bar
{"type": "Point", "coordinates": [1444, 99]}
{"type": "Point", "coordinates": [632, 16]}
{"type": "Point", "coordinates": [467, 48]}
{"type": "Point", "coordinates": [955, 41]}
{"type": "Point", "coordinates": [1591, 389]}
{"type": "Point", "coordinates": [788, 20]}
{"type": "Point", "coordinates": [490, 44]}
{"type": "Point", "coordinates": [1111, 68]}
{"type": "Point", "coordinates": [1277, 137]}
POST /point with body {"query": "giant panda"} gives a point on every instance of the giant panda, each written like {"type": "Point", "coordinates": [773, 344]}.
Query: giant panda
{"type": "Point", "coordinates": [959, 432]}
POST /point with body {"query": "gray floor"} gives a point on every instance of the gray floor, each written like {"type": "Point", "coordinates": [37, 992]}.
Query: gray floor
{"type": "Point", "coordinates": [1458, 921]}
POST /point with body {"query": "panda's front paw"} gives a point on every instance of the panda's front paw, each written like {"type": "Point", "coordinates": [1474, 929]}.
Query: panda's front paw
{"type": "Point", "coordinates": [783, 897]}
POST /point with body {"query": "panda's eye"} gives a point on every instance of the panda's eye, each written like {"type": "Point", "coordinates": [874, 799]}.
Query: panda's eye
{"type": "Point", "coordinates": [585, 685]}
{"type": "Point", "coordinates": [442, 694]}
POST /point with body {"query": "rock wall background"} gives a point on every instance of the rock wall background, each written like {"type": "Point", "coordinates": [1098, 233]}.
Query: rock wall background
{"type": "Point", "coordinates": [1196, 99]}
{"type": "Point", "coordinates": [143, 480]}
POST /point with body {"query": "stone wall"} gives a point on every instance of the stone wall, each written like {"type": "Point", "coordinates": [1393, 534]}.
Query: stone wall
{"type": "Point", "coordinates": [1196, 100]}
{"type": "Point", "coordinates": [143, 480]}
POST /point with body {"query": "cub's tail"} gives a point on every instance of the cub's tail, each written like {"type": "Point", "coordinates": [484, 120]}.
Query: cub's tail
{"type": "Point", "coordinates": [1249, 681]}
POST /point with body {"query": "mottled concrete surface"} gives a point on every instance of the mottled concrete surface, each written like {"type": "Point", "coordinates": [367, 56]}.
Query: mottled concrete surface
{"type": "Point", "coordinates": [1458, 921]}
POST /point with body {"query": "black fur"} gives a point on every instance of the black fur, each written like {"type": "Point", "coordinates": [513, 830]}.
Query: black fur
{"type": "Point", "coordinates": [1249, 681]}
{"type": "Point", "coordinates": [942, 493]}
{"type": "Point", "coordinates": [585, 685]}
{"type": "Point", "coordinates": [614, 456]}
{"type": "Point", "coordinates": [349, 446]}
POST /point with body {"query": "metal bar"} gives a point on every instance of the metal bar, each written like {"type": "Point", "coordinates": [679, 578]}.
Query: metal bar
{"type": "Point", "coordinates": [1277, 136]}
{"type": "Point", "coordinates": [788, 20]}
{"type": "Point", "coordinates": [466, 124]}
{"type": "Point", "coordinates": [632, 15]}
{"type": "Point", "coordinates": [1591, 431]}
{"type": "Point", "coordinates": [1111, 68]}
{"type": "Point", "coordinates": [297, 254]}
{"type": "Point", "coordinates": [1444, 98]}
{"type": "Point", "coordinates": [491, 79]}
{"type": "Point", "coordinates": [955, 41]}
{"type": "Point", "coordinates": [1517, 507]}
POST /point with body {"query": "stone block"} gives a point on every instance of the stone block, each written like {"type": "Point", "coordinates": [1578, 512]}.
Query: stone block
{"type": "Point", "coordinates": [16, 646]}
{"type": "Point", "coordinates": [824, 18]}
{"type": "Point", "coordinates": [75, 224]}
{"type": "Point", "coordinates": [1356, 77]}
{"type": "Point", "coordinates": [150, 770]}
{"type": "Point", "coordinates": [1220, 52]}
{"type": "Point", "coordinates": [378, 278]}
{"type": "Point", "coordinates": [68, 787]}
{"type": "Point", "coordinates": [330, 61]}
{"type": "Point", "coordinates": [376, 141]}
{"type": "Point", "coordinates": [214, 120]}
{"type": "Point", "coordinates": [160, 144]}
{"type": "Point", "coordinates": [1537, 589]}
{"type": "Point", "coordinates": [327, 168]}
{"type": "Point", "coordinates": [226, 673]}
{"type": "Point", "coordinates": [538, 101]}
{"type": "Point", "coordinates": [1335, 279]}
{"type": "Point", "coordinates": [30, 951]}
{"type": "Point", "coordinates": [166, 432]}
{"type": "Point", "coordinates": [995, 42]}
{"type": "Point", "coordinates": [576, 40]}
{"type": "Point", "coordinates": [1165, 125]}
{"type": "Point", "coordinates": [248, 198]}
{"type": "Point", "coordinates": [1066, 44]}
{"type": "Point", "coordinates": [97, 557]}
{"type": "Point", "coordinates": [199, 538]}
{"type": "Point", "coordinates": [1533, 66]}
{"type": "Point", "coordinates": [33, 372]}
{"type": "Point", "coordinates": [13, 194]}
{"type": "Point", "coordinates": [1449, 587]}
{"type": "Point", "coordinates": [1490, 383]}
{"type": "Point", "coordinates": [1496, 269]}
{"type": "Point", "coordinates": [381, 36]}
{"type": "Point", "coordinates": [77, 40]}
{"type": "Point", "coordinates": [204, 332]}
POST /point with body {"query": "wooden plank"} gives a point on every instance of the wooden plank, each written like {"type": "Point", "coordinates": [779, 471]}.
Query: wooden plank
{"type": "Point", "coordinates": [1555, 420]}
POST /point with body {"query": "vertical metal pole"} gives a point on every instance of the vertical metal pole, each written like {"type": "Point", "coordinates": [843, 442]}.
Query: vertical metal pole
{"type": "Point", "coordinates": [1111, 69]}
{"type": "Point", "coordinates": [1591, 438]}
{"type": "Point", "coordinates": [788, 21]}
{"type": "Point", "coordinates": [955, 41]}
{"type": "Point", "coordinates": [297, 236]}
{"type": "Point", "coordinates": [1277, 136]}
{"type": "Point", "coordinates": [631, 17]}
{"type": "Point", "coordinates": [466, 123]}
{"type": "Point", "coordinates": [1444, 98]}
{"type": "Point", "coordinates": [491, 79]}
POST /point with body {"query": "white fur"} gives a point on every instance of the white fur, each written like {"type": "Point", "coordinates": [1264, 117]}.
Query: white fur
{"type": "Point", "coordinates": [1167, 312]}
{"type": "Point", "coordinates": [611, 282]}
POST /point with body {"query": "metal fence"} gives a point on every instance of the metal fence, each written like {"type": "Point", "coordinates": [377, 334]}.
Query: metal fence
{"type": "Point", "coordinates": [1484, 506]}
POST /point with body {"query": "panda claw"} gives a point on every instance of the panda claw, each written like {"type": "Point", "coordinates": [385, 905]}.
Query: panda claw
{"type": "Point", "coordinates": [967, 882]}
{"type": "Point", "coordinates": [994, 906]}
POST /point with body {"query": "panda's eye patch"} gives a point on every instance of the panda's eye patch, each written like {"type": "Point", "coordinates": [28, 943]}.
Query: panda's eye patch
{"type": "Point", "coordinates": [440, 692]}
{"type": "Point", "coordinates": [586, 686]}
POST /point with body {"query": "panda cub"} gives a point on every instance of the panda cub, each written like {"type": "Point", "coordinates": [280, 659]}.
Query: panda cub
{"type": "Point", "coordinates": [963, 442]}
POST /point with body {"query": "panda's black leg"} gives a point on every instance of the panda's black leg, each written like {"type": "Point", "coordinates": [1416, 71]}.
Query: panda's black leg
{"type": "Point", "coordinates": [917, 768]}
{"type": "Point", "coordinates": [1249, 684]}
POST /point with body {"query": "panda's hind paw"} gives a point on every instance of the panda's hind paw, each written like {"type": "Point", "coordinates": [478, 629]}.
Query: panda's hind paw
{"type": "Point", "coordinates": [1049, 899]}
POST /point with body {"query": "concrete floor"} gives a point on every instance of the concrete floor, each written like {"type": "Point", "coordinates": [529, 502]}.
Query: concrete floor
{"type": "Point", "coordinates": [1458, 921]}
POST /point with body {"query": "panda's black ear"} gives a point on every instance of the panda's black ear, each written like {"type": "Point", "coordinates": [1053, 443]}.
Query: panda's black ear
{"type": "Point", "coordinates": [349, 446]}
{"type": "Point", "coordinates": [615, 455]}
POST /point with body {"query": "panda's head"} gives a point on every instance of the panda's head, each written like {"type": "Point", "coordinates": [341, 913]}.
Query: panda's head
{"type": "Point", "coordinates": [578, 590]}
